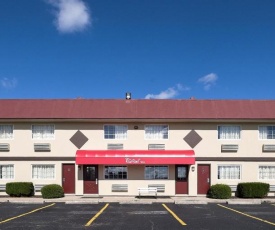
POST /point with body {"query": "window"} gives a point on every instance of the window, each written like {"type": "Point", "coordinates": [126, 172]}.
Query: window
{"type": "Point", "coordinates": [156, 132]}
{"type": "Point", "coordinates": [156, 172]}
{"type": "Point", "coordinates": [115, 132]}
{"type": "Point", "coordinates": [115, 172]}
{"type": "Point", "coordinates": [229, 172]}
{"type": "Point", "coordinates": [229, 132]}
{"type": "Point", "coordinates": [43, 172]}
{"type": "Point", "coordinates": [43, 132]}
{"type": "Point", "coordinates": [6, 132]}
{"type": "Point", "coordinates": [266, 172]}
{"type": "Point", "coordinates": [267, 132]}
{"type": "Point", "coordinates": [6, 172]}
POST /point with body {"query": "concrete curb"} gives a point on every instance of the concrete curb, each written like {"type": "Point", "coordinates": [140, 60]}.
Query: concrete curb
{"type": "Point", "coordinates": [244, 202]}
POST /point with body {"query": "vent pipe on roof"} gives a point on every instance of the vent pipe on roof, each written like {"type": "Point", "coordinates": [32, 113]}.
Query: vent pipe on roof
{"type": "Point", "coordinates": [128, 96]}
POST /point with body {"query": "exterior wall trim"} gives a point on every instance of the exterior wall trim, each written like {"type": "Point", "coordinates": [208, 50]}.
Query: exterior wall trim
{"type": "Point", "coordinates": [37, 158]}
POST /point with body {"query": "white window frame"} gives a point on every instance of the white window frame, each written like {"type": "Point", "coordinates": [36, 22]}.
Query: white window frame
{"type": "Point", "coordinates": [260, 136]}
{"type": "Point", "coordinates": [39, 177]}
{"type": "Point", "coordinates": [117, 136]}
{"type": "Point", "coordinates": [4, 135]}
{"type": "Point", "coordinates": [155, 136]}
{"type": "Point", "coordinates": [269, 173]}
{"type": "Point", "coordinates": [229, 126]}
{"type": "Point", "coordinates": [230, 165]}
{"type": "Point", "coordinates": [10, 172]}
{"type": "Point", "coordinates": [155, 166]}
{"type": "Point", "coordinates": [124, 166]}
{"type": "Point", "coordinates": [43, 135]}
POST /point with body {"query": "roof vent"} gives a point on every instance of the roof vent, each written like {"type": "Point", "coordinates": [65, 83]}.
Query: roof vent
{"type": "Point", "coordinates": [128, 96]}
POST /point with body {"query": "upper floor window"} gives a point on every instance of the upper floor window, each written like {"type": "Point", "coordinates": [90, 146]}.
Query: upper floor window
{"type": "Point", "coordinates": [6, 172]}
{"type": "Point", "coordinates": [156, 132]}
{"type": "Point", "coordinates": [232, 132]}
{"type": "Point", "coordinates": [229, 172]}
{"type": "Point", "coordinates": [42, 132]}
{"type": "Point", "coordinates": [266, 172]}
{"type": "Point", "coordinates": [6, 132]}
{"type": "Point", "coordinates": [267, 132]}
{"type": "Point", "coordinates": [115, 132]}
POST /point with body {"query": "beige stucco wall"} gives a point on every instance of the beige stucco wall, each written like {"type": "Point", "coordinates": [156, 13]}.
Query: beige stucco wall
{"type": "Point", "coordinates": [210, 146]}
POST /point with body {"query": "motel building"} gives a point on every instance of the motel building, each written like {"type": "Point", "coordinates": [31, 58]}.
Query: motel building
{"type": "Point", "coordinates": [112, 147]}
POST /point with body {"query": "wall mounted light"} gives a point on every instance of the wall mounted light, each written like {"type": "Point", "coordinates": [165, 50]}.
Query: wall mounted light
{"type": "Point", "coordinates": [193, 168]}
{"type": "Point", "coordinates": [135, 127]}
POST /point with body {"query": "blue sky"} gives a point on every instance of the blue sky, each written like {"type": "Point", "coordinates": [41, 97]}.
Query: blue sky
{"type": "Point", "coordinates": [155, 49]}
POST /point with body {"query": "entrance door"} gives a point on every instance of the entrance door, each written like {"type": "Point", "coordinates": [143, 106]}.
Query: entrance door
{"type": "Point", "coordinates": [181, 179]}
{"type": "Point", "coordinates": [90, 175]}
{"type": "Point", "coordinates": [203, 179]}
{"type": "Point", "coordinates": [68, 178]}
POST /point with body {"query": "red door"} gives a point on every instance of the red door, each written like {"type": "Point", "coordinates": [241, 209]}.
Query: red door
{"type": "Point", "coordinates": [90, 173]}
{"type": "Point", "coordinates": [203, 179]}
{"type": "Point", "coordinates": [68, 178]}
{"type": "Point", "coordinates": [181, 179]}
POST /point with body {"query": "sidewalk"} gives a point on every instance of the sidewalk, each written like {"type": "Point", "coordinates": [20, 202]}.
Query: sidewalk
{"type": "Point", "coordinates": [72, 199]}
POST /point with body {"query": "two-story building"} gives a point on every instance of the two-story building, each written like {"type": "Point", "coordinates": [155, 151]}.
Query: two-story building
{"type": "Point", "coordinates": [113, 147]}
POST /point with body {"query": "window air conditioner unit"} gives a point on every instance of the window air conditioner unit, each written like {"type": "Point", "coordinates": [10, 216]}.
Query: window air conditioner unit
{"type": "Point", "coordinates": [114, 146]}
{"type": "Point", "coordinates": [42, 147]}
{"type": "Point", "coordinates": [156, 147]}
{"type": "Point", "coordinates": [4, 147]}
{"type": "Point", "coordinates": [268, 148]}
{"type": "Point", "coordinates": [230, 148]}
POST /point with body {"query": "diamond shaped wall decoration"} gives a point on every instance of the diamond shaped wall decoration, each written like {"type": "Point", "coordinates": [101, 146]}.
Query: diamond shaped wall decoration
{"type": "Point", "coordinates": [79, 139]}
{"type": "Point", "coordinates": [192, 138]}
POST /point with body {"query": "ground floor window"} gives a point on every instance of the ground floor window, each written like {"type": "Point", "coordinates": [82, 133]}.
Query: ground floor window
{"type": "Point", "coordinates": [43, 171]}
{"type": "Point", "coordinates": [6, 172]}
{"type": "Point", "coordinates": [266, 172]}
{"type": "Point", "coordinates": [115, 172]}
{"type": "Point", "coordinates": [229, 172]}
{"type": "Point", "coordinates": [156, 172]}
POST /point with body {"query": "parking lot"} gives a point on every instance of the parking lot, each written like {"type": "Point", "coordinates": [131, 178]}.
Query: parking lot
{"type": "Point", "coordinates": [136, 216]}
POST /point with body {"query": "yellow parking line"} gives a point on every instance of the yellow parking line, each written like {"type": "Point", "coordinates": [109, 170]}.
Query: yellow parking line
{"type": "Point", "coordinates": [97, 215]}
{"type": "Point", "coordinates": [174, 215]}
{"type": "Point", "coordinates": [242, 213]}
{"type": "Point", "coordinates": [35, 210]}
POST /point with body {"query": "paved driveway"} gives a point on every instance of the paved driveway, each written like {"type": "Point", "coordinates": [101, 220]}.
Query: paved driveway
{"type": "Point", "coordinates": [136, 216]}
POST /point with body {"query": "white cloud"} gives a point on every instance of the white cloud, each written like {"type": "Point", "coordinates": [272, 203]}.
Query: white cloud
{"type": "Point", "coordinates": [8, 83]}
{"type": "Point", "coordinates": [168, 93]}
{"type": "Point", "coordinates": [71, 15]}
{"type": "Point", "coordinates": [209, 80]}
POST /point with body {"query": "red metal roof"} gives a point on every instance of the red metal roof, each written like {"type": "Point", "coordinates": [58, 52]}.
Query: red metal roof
{"type": "Point", "coordinates": [135, 109]}
{"type": "Point", "coordinates": [136, 157]}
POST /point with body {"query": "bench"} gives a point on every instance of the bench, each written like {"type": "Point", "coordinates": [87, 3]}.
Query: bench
{"type": "Point", "coordinates": [119, 187]}
{"type": "Point", "coordinates": [159, 187]}
{"type": "Point", "coordinates": [38, 187]}
{"type": "Point", "coordinates": [2, 187]}
{"type": "Point", "coordinates": [147, 191]}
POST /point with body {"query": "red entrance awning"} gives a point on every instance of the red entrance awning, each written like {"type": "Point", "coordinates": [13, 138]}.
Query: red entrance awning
{"type": "Point", "coordinates": [128, 157]}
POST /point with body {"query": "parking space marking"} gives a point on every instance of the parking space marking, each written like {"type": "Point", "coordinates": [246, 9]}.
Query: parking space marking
{"type": "Point", "coordinates": [35, 210]}
{"type": "Point", "coordinates": [242, 213]}
{"type": "Point", "coordinates": [97, 215]}
{"type": "Point", "coordinates": [174, 215]}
